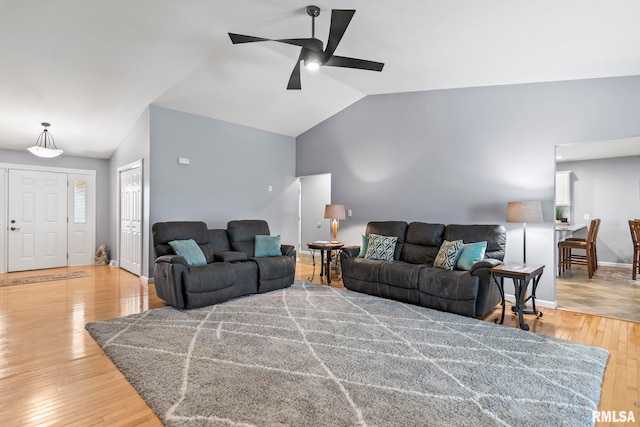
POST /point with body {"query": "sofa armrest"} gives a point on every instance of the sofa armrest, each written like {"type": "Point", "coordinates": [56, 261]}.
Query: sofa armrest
{"type": "Point", "coordinates": [171, 259]}
{"type": "Point", "coordinates": [349, 252]}
{"type": "Point", "coordinates": [288, 250]}
{"type": "Point", "coordinates": [230, 256]}
{"type": "Point", "coordinates": [485, 263]}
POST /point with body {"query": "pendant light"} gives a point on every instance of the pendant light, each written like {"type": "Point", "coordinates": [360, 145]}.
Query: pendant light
{"type": "Point", "coordinates": [45, 146]}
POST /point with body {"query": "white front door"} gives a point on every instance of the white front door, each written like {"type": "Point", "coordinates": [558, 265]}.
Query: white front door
{"type": "Point", "coordinates": [131, 220]}
{"type": "Point", "coordinates": [37, 220]}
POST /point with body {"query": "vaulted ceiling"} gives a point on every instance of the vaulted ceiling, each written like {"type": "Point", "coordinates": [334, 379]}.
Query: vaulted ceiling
{"type": "Point", "coordinates": [91, 67]}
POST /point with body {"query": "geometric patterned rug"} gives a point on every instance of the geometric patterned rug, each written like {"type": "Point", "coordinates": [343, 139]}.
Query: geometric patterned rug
{"type": "Point", "coordinates": [313, 355]}
{"type": "Point", "coordinates": [44, 278]}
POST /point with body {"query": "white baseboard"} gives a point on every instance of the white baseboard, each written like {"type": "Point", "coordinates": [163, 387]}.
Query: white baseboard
{"type": "Point", "coordinates": [510, 298]}
{"type": "Point", "coordinates": [615, 264]}
{"type": "Point", "coordinates": [146, 280]}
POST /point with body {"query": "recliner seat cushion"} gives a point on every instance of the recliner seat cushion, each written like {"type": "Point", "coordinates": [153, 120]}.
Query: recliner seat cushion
{"type": "Point", "coordinates": [207, 278]}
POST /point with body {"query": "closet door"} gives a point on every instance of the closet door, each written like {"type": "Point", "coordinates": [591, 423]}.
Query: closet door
{"type": "Point", "coordinates": [131, 220]}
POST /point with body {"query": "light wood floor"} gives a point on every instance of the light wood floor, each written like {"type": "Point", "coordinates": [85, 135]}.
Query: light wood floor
{"type": "Point", "coordinates": [610, 292]}
{"type": "Point", "coordinates": [53, 373]}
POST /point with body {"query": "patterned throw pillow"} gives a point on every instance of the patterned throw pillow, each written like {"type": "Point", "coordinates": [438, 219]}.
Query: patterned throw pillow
{"type": "Point", "coordinates": [381, 247]}
{"type": "Point", "coordinates": [448, 254]}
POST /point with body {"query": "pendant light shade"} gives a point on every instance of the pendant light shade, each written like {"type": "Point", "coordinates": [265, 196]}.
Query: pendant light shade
{"type": "Point", "coordinates": [45, 146]}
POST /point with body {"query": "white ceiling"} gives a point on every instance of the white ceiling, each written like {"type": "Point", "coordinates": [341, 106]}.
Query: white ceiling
{"type": "Point", "coordinates": [91, 67]}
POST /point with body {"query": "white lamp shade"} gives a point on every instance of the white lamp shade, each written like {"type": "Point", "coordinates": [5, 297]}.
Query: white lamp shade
{"type": "Point", "coordinates": [44, 152]}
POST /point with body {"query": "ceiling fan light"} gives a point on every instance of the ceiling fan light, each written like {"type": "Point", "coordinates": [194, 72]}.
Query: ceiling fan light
{"type": "Point", "coordinates": [312, 64]}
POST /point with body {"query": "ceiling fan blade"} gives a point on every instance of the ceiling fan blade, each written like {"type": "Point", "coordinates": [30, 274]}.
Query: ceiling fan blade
{"type": "Point", "coordinates": [309, 43]}
{"type": "Point", "coordinates": [340, 19]}
{"type": "Point", "coordinates": [362, 64]}
{"type": "Point", "coordinates": [294, 80]}
{"type": "Point", "coordinates": [240, 38]}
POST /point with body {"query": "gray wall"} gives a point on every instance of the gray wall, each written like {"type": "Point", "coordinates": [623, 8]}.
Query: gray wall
{"type": "Point", "coordinates": [135, 146]}
{"type": "Point", "coordinates": [608, 189]}
{"type": "Point", "coordinates": [458, 156]}
{"type": "Point", "coordinates": [103, 187]}
{"type": "Point", "coordinates": [230, 170]}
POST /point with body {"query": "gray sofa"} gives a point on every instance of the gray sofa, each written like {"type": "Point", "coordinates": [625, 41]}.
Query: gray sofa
{"type": "Point", "coordinates": [231, 269]}
{"type": "Point", "coordinates": [411, 277]}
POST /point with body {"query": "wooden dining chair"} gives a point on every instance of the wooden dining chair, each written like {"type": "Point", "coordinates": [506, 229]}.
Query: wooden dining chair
{"type": "Point", "coordinates": [634, 227]}
{"type": "Point", "coordinates": [595, 247]}
{"type": "Point", "coordinates": [567, 257]}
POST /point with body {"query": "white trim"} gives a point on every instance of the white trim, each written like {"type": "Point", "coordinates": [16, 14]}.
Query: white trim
{"type": "Point", "coordinates": [615, 264]}
{"type": "Point", "coordinates": [129, 166]}
{"type": "Point", "coordinates": [510, 298]}
{"type": "Point", "coordinates": [4, 195]}
{"type": "Point", "coordinates": [4, 208]}
{"type": "Point", "coordinates": [47, 169]}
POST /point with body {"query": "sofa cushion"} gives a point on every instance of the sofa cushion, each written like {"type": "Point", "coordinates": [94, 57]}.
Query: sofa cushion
{"type": "Point", "coordinates": [455, 291]}
{"type": "Point", "coordinates": [448, 254]}
{"type": "Point", "coordinates": [389, 228]}
{"type": "Point", "coordinates": [267, 246]}
{"type": "Point", "coordinates": [242, 234]}
{"type": "Point", "coordinates": [208, 278]}
{"type": "Point", "coordinates": [219, 240]}
{"type": "Point", "coordinates": [230, 256]}
{"type": "Point", "coordinates": [494, 235]}
{"type": "Point", "coordinates": [164, 232]}
{"type": "Point", "coordinates": [381, 247]}
{"type": "Point", "coordinates": [422, 243]}
{"type": "Point", "coordinates": [470, 254]}
{"type": "Point", "coordinates": [189, 250]}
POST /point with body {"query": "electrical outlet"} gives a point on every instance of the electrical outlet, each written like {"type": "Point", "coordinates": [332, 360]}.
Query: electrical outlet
{"type": "Point", "coordinates": [349, 212]}
{"type": "Point", "coordinates": [586, 217]}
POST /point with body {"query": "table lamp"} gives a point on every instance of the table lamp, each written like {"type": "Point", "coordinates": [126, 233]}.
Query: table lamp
{"type": "Point", "coordinates": [524, 212]}
{"type": "Point", "coordinates": [334, 213]}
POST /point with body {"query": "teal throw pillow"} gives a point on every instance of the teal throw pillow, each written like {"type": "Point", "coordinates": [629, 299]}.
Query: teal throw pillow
{"type": "Point", "coordinates": [381, 247]}
{"type": "Point", "coordinates": [364, 246]}
{"type": "Point", "coordinates": [189, 250]}
{"type": "Point", "coordinates": [448, 254]}
{"type": "Point", "coordinates": [471, 253]}
{"type": "Point", "coordinates": [267, 246]}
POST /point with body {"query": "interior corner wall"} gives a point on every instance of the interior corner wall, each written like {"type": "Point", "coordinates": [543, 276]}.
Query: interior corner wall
{"type": "Point", "coordinates": [459, 155]}
{"type": "Point", "coordinates": [231, 168]}
{"type": "Point", "coordinates": [134, 147]}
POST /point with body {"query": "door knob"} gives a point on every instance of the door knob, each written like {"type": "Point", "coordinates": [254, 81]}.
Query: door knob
{"type": "Point", "coordinates": [15, 228]}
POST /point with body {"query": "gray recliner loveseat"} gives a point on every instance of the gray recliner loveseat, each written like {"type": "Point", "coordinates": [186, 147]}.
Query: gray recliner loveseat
{"type": "Point", "coordinates": [411, 276]}
{"type": "Point", "coordinates": [231, 268]}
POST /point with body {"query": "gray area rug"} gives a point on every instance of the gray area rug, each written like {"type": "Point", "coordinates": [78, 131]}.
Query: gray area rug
{"type": "Point", "coordinates": [44, 278]}
{"type": "Point", "coordinates": [314, 355]}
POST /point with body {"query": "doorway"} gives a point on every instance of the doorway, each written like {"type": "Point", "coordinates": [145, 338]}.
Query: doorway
{"type": "Point", "coordinates": [130, 217]}
{"type": "Point", "coordinates": [601, 180]}
{"type": "Point", "coordinates": [47, 217]}
{"type": "Point", "coordinates": [315, 193]}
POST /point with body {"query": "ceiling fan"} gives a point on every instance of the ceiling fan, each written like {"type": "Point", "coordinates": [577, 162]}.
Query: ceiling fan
{"type": "Point", "coordinates": [313, 54]}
